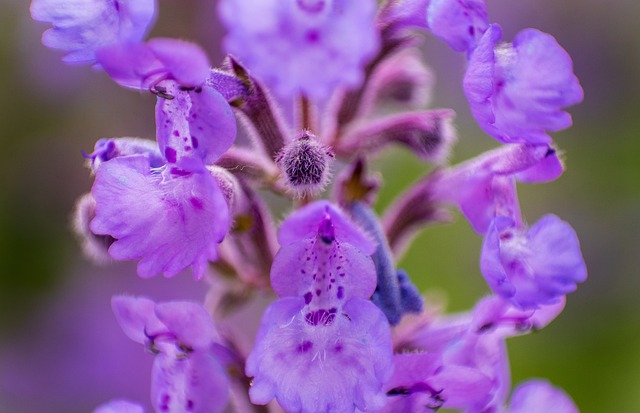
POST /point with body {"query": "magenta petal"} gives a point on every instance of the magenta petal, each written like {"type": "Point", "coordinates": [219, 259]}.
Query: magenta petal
{"type": "Point", "coordinates": [169, 222]}
{"type": "Point", "coordinates": [185, 61]}
{"type": "Point", "coordinates": [136, 316]}
{"type": "Point", "coordinates": [316, 368]}
{"type": "Point", "coordinates": [119, 406]}
{"type": "Point", "coordinates": [190, 323]}
{"type": "Point", "coordinates": [548, 169]}
{"type": "Point", "coordinates": [194, 124]}
{"type": "Point", "coordinates": [313, 269]}
{"type": "Point", "coordinates": [540, 396]}
{"type": "Point", "coordinates": [304, 223]}
{"type": "Point", "coordinates": [195, 384]}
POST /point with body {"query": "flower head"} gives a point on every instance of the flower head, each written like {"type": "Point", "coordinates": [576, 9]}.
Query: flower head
{"type": "Point", "coordinates": [186, 375]}
{"type": "Point", "coordinates": [517, 90]}
{"type": "Point", "coordinates": [173, 216]}
{"type": "Point", "coordinates": [532, 267]}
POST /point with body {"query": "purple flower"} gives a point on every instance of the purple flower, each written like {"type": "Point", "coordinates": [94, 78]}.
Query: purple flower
{"type": "Point", "coordinates": [109, 148]}
{"type": "Point", "coordinates": [186, 376]}
{"type": "Point", "coordinates": [540, 396]}
{"type": "Point", "coordinates": [142, 65]}
{"type": "Point", "coordinates": [485, 186]}
{"type": "Point", "coordinates": [327, 362]}
{"type": "Point", "coordinates": [119, 406]}
{"type": "Point", "coordinates": [302, 47]}
{"type": "Point", "coordinates": [517, 90]}
{"type": "Point", "coordinates": [323, 346]}
{"type": "Point", "coordinates": [170, 217]}
{"type": "Point", "coordinates": [460, 23]}
{"type": "Point", "coordinates": [532, 267]}
{"type": "Point", "coordinates": [82, 27]}
{"type": "Point", "coordinates": [423, 381]}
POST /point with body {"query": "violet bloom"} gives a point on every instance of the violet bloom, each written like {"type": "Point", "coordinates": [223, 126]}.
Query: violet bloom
{"type": "Point", "coordinates": [186, 375]}
{"type": "Point", "coordinates": [82, 27]}
{"type": "Point", "coordinates": [532, 267]}
{"type": "Point", "coordinates": [517, 90]}
{"type": "Point", "coordinates": [485, 186]}
{"type": "Point", "coordinates": [323, 346]}
{"type": "Point", "coordinates": [302, 47]}
{"type": "Point", "coordinates": [170, 217]}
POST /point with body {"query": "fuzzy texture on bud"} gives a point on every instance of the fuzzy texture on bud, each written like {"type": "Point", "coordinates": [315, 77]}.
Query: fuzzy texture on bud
{"type": "Point", "coordinates": [304, 163]}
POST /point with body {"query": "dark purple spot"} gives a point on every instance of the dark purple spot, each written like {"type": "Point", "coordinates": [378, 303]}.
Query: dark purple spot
{"type": "Point", "coordinates": [194, 142]}
{"type": "Point", "coordinates": [170, 154]}
{"type": "Point", "coordinates": [342, 274]}
{"type": "Point", "coordinates": [307, 297]}
{"type": "Point", "coordinates": [318, 292]}
{"type": "Point", "coordinates": [326, 231]}
{"type": "Point", "coordinates": [471, 30]}
{"type": "Point", "coordinates": [176, 133]}
{"type": "Point", "coordinates": [303, 271]}
{"type": "Point", "coordinates": [340, 293]}
{"type": "Point", "coordinates": [197, 203]}
{"type": "Point", "coordinates": [179, 172]}
{"type": "Point", "coordinates": [194, 116]}
{"type": "Point", "coordinates": [305, 346]}
{"type": "Point", "coordinates": [187, 148]}
{"type": "Point", "coordinates": [333, 280]}
{"type": "Point", "coordinates": [338, 348]}
{"type": "Point", "coordinates": [190, 405]}
{"type": "Point", "coordinates": [313, 36]}
{"type": "Point", "coordinates": [164, 402]}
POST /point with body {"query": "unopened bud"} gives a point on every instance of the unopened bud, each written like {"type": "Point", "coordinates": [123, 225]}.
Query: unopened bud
{"type": "Point", "coordinates": [304, 163]}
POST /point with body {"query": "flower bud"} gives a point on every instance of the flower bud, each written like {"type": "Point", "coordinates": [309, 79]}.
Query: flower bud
{"type": "Point", "coordinates": [304, 164]}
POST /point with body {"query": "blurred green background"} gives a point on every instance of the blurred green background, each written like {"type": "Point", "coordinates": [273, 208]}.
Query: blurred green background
{"type": "Point", "coordinates": [49, 112]}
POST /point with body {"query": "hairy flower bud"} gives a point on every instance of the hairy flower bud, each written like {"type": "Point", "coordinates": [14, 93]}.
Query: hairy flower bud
{"type": "Point", "coordinates": [304, 163]}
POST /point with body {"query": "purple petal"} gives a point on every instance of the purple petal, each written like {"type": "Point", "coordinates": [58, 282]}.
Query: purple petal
{"type": "Point", "coordinates": [304, 223]}
{"type": "Point", "coordinates": [460, 23]}
{"type": "Point", "coordinates": [326, 367]}
{"type": "Point", "coordinates": [540, 396]}
{"type": "Point", "coordinates": [534, 268]}
{"type": "Point", "coordinates": [109, 148]}
{"type": "Point", "coordinates": [322, 272]}
{"type": "Point", "coordinates": [517, 91]}
{"type": "Point", "coordinates": [119, 406]}
{"type": "Point", "coordinates": [194, 124]}
{"type": "Point", "coordinates": [462, 387]}
{"type": "Point", "coordinates": [82, 27]}
{"type": "Point", "coordinates": [169, 222]}
{"type": "Point", "coordinates": [196, 383]}
{"type": "Point", "coordinates": [136, 316]}
{"type": "Point", "coordinates": [302, 47]}
{"type": "Point", "coordinates": [189, 322]}
{"type": "Point", "coordinates": [141, 65]}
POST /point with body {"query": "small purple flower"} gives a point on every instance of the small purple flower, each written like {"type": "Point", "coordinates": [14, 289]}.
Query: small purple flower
{"type": "Point", "coordinates": [532, 267]}
{"type": "Point", "coordinates": [186, 375]}
{"type": "Point", "coordinates": [485, 186]}
{"type": "Point", "coordinates": [540, 396]}
{"type": "Point", "coordinates": [517, 90]}
{"type": "Point", "coordinates": [109, 148]}
{"type": "Point", "coordinates": [173, 216]}
{"type": "Point", "coordinates": [460, 23]}
{"type": "Point", "coordinates": [302, 47]}
{"type": "Point", "coordinates": [323, 346]}
{"type": "Point", "coordinates": [82, 27]}
{"type": "Point", "coordinates": [139, 65]}
{"type": "Point", "coordinates": [331, 362]}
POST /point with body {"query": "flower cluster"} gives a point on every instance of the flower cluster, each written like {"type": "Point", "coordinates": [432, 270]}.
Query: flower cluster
{"type": "Point", "coordinates": [312, 81]}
